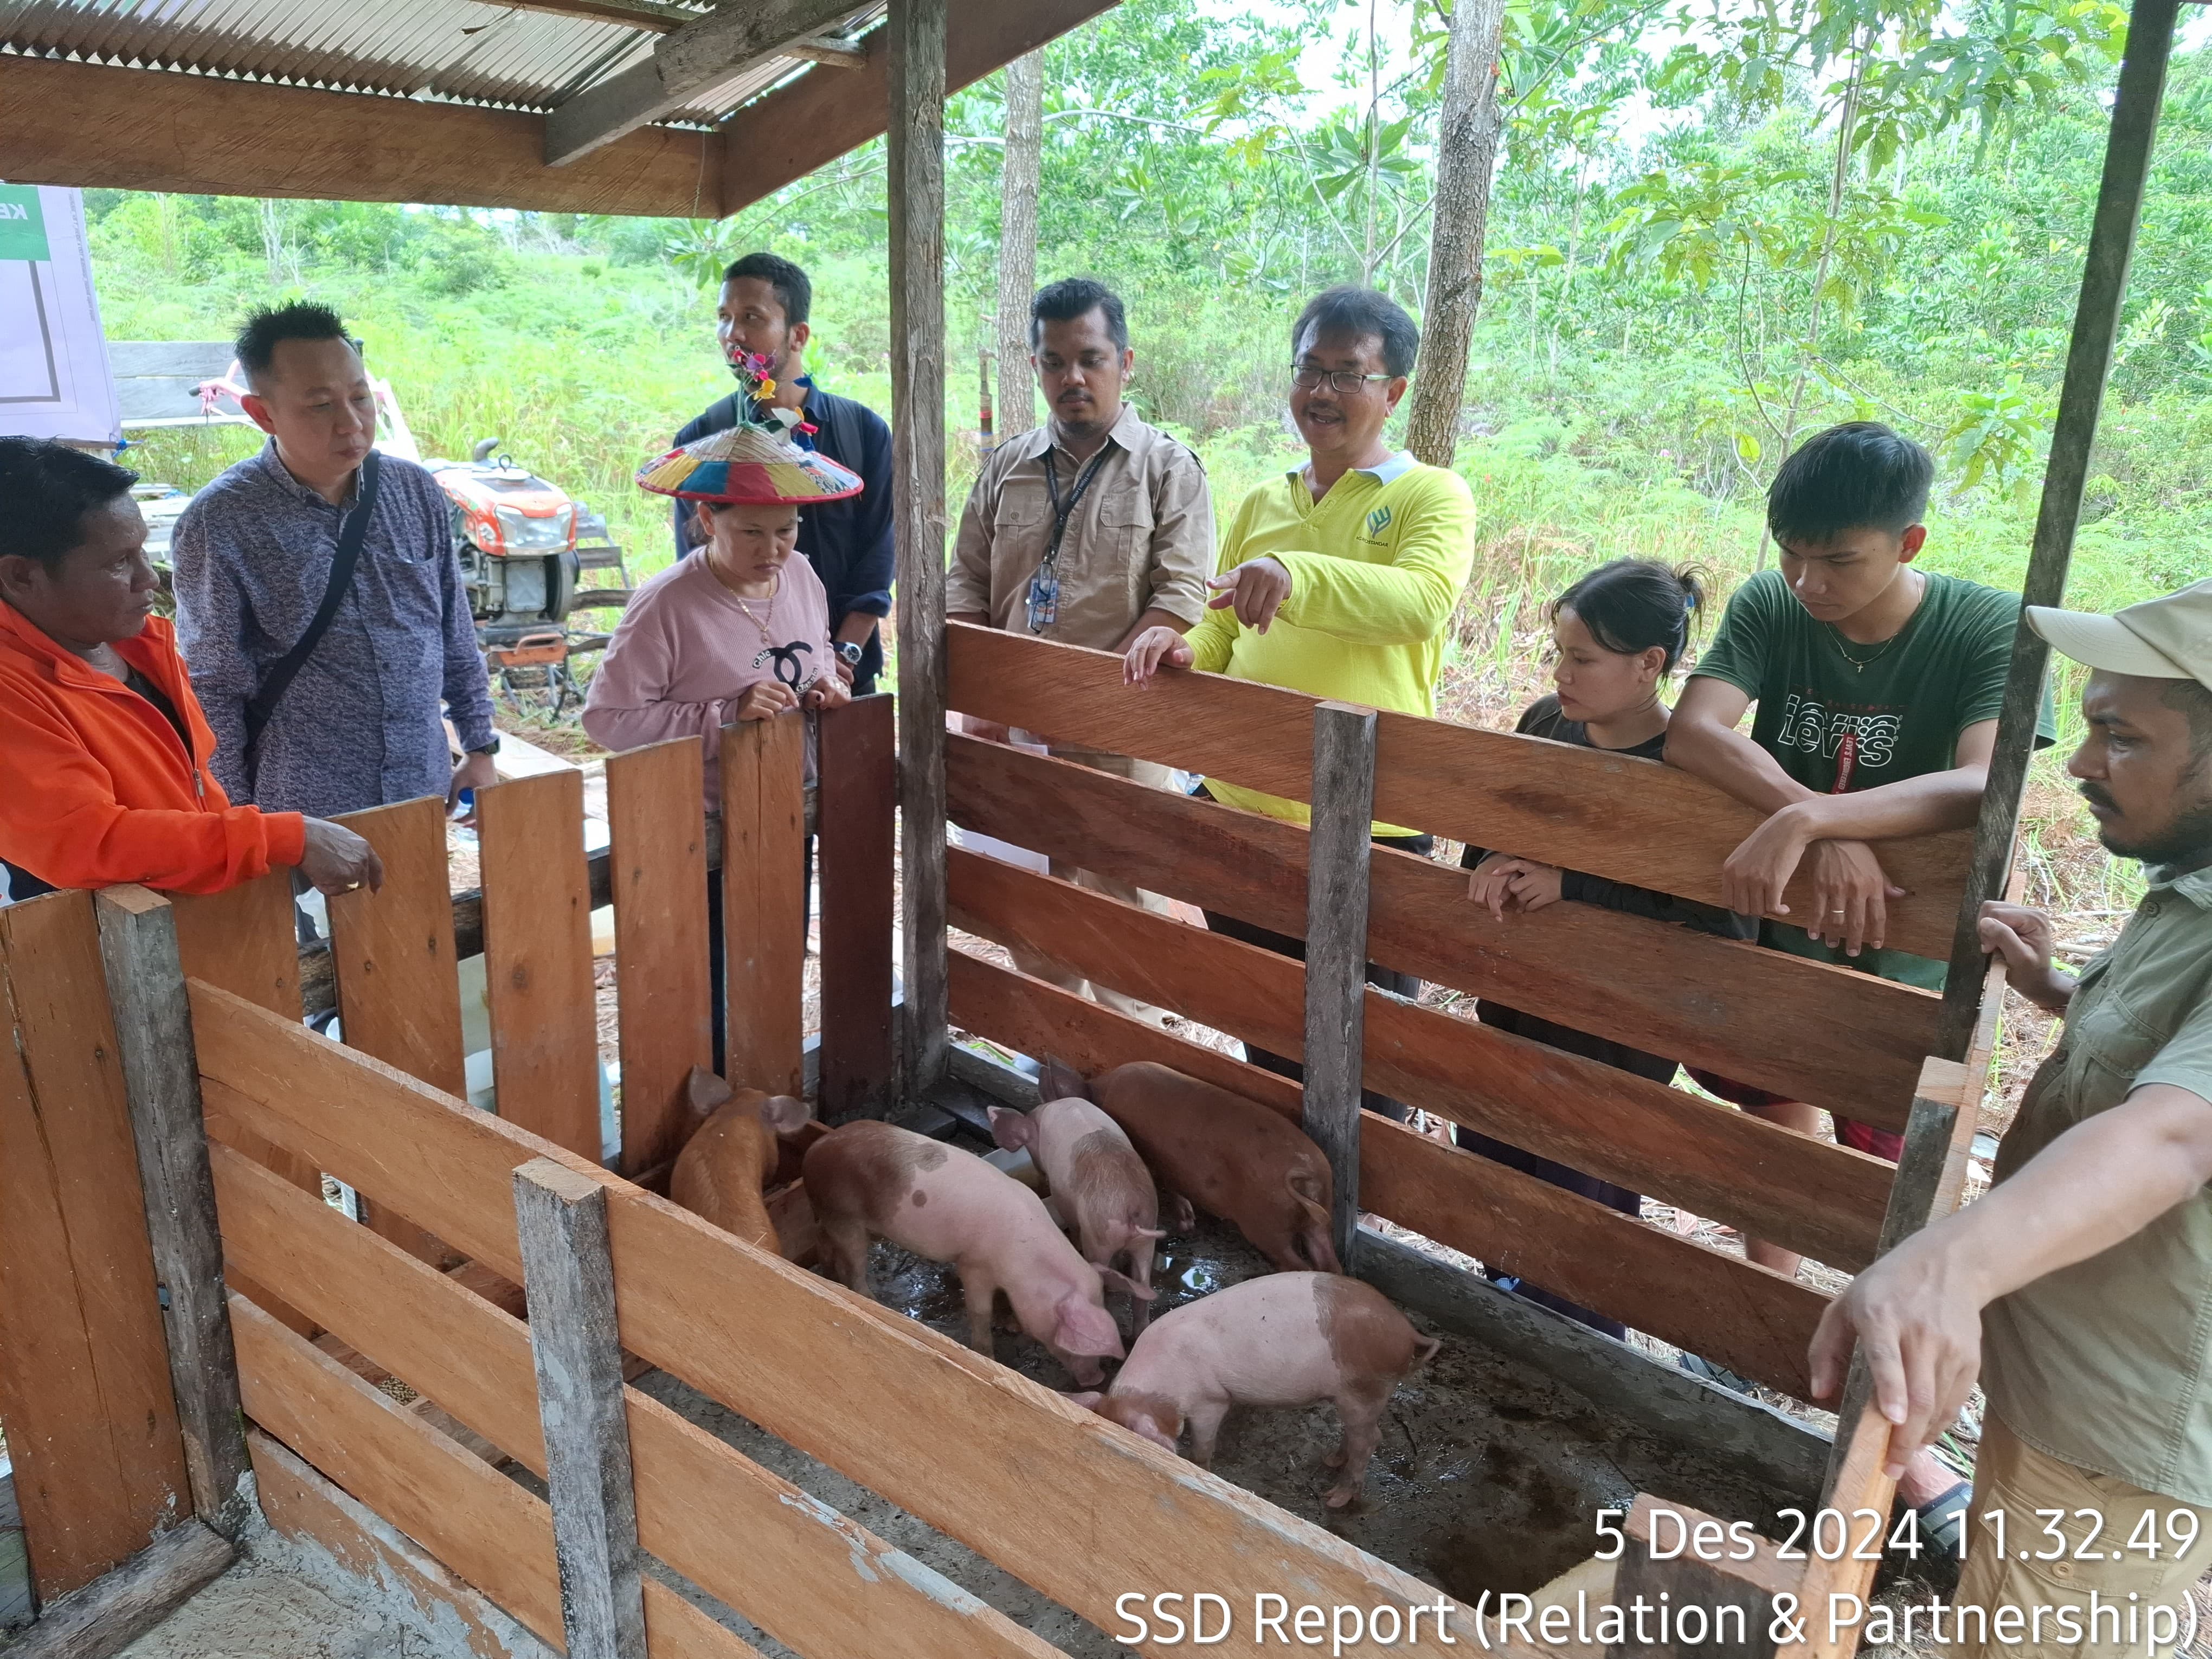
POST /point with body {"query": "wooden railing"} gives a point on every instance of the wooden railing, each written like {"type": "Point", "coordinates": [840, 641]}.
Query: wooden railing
{"type": "Point", "coordinates": [793, 1352]}
{"type": "Point", "coordinates": [1839, 1039]}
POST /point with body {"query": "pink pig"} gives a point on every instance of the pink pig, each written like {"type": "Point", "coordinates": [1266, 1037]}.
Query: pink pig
{"type": "Point", "coordinates": [870, 1178]}
{"type": "Point", "coordinates": [1286, 1339]}
{"type": "Point", "coordinates": [1100, 1187]}
{"type": "Point", "coordinates": [1228, 1155]}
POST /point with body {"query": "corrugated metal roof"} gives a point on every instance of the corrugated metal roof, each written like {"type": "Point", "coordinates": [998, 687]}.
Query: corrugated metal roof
{"type": "Point", "coordinates": [457, 51]}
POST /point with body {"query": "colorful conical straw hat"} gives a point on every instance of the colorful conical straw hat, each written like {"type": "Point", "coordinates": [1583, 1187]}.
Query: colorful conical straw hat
{"type": "Point", "coordinates": [748, 464]}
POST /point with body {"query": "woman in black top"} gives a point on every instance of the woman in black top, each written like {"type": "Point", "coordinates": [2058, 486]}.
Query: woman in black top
{"type": "Point", "coordinates": [1618, 633]}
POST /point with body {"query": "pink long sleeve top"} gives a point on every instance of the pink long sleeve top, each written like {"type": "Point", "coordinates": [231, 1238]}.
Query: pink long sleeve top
{"type": "Point", "coordinates": [685, 652]}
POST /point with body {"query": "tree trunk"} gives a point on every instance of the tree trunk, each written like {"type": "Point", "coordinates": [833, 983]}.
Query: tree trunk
{"type": "Point", "coordinates": [1017, 232]}
{"type": "Point", "coordinates": [1466, 150]}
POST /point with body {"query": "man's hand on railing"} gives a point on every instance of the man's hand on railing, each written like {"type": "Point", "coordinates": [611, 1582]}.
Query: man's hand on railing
{"type": "Point", "coordinates": [337, 860]}
{"type": "Point", "coordinates": [1850, 893]}
{"type": "Point", "coordinates": [2025, 940]}
{"type": "Point", "coordinates": [1503, 883]}
{"type": "Point", "coordinates": [1152, 650]}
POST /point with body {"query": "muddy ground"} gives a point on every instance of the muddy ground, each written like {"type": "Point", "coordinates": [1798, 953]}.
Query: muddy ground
{"type": "Point", "coordinates": [1488, 1476]}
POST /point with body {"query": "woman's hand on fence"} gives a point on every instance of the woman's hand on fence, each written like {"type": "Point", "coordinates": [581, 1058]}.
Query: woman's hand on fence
{"type": "Point", "coordinates": [1501, 882]}
{"type": "Point", "coordinates": [1152, 650]}
{"type": "Point", "coordinates": [337, 860]}
{"type": "Point", "coordinates": [764, 701]}
{"type": "Point", "coordinates": [827, 692]}
{"type": "Point", "coordinates": [1917, 1318]}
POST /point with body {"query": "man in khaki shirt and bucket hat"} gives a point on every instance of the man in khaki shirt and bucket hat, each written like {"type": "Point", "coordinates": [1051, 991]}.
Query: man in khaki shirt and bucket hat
{"type": "Point", "coordinates": [1088, 531]}
{"type": "Point", "coordinates": [2080, 1290]}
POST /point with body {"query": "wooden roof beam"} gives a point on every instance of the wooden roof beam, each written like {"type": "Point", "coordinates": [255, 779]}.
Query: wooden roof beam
{"type": "Point", "coordinates": [780, 138]}
{"type": "Point", "coordinates": [689, 66]}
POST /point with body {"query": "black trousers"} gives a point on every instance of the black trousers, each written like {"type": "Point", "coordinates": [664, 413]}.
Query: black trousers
{"type": "Point", "coordinates": [716, 980]}
{"type": "Point", "coordinates": [22, 884]}
{"type": "Point", "coordinates": [1282, 945]}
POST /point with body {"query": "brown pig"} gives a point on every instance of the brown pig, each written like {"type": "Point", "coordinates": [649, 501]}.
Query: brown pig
{"type": "Point", "coordinates": [1230, 1156]}
{"type": "Point", "coordinates": [1100, 1187]}
{"type": "Point", "coordinates": [870, 1178]}
{"type": "Point", "coordinates": [720, 1172]}
{"type": "Point", "coordinates": [1287, 1340]}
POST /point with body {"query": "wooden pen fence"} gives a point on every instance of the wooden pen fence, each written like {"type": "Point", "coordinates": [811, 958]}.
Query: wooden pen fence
{"type": "Point", "coordinates": [83, 1381]}
{"type": "Point", "coordinates": [115, 1406]}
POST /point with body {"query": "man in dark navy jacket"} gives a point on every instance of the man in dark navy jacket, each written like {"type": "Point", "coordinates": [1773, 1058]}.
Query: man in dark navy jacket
{"type": "Point", "coordinates": [765, 304]}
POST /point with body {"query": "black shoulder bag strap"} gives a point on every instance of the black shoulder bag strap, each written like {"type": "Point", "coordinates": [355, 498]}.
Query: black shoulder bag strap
{"type": "Point", "coordinates": [262, 703]}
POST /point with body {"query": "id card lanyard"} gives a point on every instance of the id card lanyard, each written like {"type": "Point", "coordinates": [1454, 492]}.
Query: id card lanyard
{"type": "Point", "coordinates": [1044, 586]}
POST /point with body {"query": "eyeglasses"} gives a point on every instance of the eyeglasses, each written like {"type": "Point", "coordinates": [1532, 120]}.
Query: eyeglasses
{"type": "Point", "coordinates": [1344, 382]}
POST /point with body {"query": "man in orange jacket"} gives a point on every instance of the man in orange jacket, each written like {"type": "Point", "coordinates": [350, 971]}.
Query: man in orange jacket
{"type": "Point", "coordinates": [104, 753]}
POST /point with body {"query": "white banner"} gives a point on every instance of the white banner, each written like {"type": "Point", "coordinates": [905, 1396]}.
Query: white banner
{"type": "Point", "coordinates": [54, 377]}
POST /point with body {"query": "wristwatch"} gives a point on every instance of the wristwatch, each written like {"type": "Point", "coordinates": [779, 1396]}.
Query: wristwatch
{"type": "Point", "coordinates": [491, 747]}
{"type": "Point", "coordinates": [850, 653]}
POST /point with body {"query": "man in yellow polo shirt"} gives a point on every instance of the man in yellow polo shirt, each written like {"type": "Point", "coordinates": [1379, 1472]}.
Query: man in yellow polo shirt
{"type": "Point", "coordinates": [1339, 578]}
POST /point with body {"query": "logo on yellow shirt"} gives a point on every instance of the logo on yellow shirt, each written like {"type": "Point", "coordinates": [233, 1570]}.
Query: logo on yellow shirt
{"type": "Point", "coordinates": [1378, 521]}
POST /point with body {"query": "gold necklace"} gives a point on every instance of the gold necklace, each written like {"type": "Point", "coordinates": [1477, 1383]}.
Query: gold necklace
{"type": "Point", "coordinates": [776, 587]}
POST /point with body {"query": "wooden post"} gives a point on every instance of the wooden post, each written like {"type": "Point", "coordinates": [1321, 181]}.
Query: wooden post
{"type": "Point", "coordinates": [858, 790]}
{"type": "Point", "coordinates": [916, 153]}
{"type": "Point", "coordinates": [160, 1074]}
{"type": "Point", "coordinates": [2065, 478]}
{"type": "Point", "coordinates": [561, 1222]}
{"type": "Point", "coordinates": [1336, 951]}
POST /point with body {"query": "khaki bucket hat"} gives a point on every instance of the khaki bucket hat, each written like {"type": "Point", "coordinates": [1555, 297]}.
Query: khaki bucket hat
{"type": "Point", "coordinates": [2162, 638]}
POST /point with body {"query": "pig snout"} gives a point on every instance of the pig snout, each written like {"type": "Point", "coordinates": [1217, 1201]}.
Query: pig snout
{"type": "Point", "coordinates": [1311, 1224]}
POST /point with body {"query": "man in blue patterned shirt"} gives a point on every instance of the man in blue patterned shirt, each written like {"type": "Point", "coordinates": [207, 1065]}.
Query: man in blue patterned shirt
{"type": "Point", "coordinates": [359, 726]}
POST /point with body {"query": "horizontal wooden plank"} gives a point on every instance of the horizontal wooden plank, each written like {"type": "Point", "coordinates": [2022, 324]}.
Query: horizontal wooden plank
{"type": "Point", "coordinates": [1845, 1041]}
{"type": "Point", "coordinates": [1750, 1319]}
{"type": "Point", "coordinates": [1611, 815]}
{"type": "Point", "coordinates": [488, 1530]}
{"type": "Point", "coordinates": [1622, 818]}
{"type": "Point", "coordinates": [1824, 1200]}
{"type": "Point", "coordinates": [1670, 1286]}
{"type": "Point", "coordinates": [695, 1301]}
{"type": "Point", "coordinates": [754, 1540]}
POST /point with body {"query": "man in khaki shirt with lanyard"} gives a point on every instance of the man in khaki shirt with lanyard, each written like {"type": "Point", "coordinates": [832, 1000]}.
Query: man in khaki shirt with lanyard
{"type": "Point", "coordinates": [2080, 1290]}
{"type": "Point", "coordinates": [1088, 531]}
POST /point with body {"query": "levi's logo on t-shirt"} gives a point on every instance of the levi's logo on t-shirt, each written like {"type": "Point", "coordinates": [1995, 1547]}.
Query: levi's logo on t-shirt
{"type": "Point", "coordinates": [1812, 725]}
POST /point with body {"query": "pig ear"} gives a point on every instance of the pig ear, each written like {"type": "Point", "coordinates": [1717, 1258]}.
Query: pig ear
{"type": "Point", "coordinates": [1088, 1400]}
{"type": "Point", "coordinates": [1010, 1128]}
{"type": "Point", "coordinates": [1084, 1329]}
{"type": "Point", "coordinates": [706, 1090]}
{"type": "Point", "coordinates": [1058, 1080]}
{"type": "Point", "coordinates": [1120, 1281]}
{"type": "Point", "coordinates": [784, 1114]}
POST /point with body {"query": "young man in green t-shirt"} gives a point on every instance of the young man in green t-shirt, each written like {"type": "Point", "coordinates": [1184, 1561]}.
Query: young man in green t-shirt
{"type": "Point", "coordinates": [1878, 685]}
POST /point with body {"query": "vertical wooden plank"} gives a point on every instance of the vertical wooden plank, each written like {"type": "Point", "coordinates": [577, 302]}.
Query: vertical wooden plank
{"type": "Point", "coordinates": [763, 936]}
{"type": "Point", "coordinates": [854, 800]}
{"type": "Point", "coordinates": [1336, 951]}
{"type": "Point", "coordinates": [247, 940]}
{"type": "Point", "coordinates": [561, 1223]}
{"type": "Point", "coordinates": [84, 1369]}
{"type": "Point", "coordinates": [916, 143]}
{"type": "Point", "coordinates": [537, 958]}
{"type": "Point", "coordinates": [657, 821]}
{"type": "Point", "coordinates": [399, 983]}
{"type": "Point", "coordinates": [160, 1075]}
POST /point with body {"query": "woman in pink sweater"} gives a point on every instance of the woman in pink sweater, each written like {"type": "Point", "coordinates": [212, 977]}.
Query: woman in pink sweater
{"type": "Point", "coordinates": [738, 629]}
{"type": "Point", "coordinates": [701, 644]}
